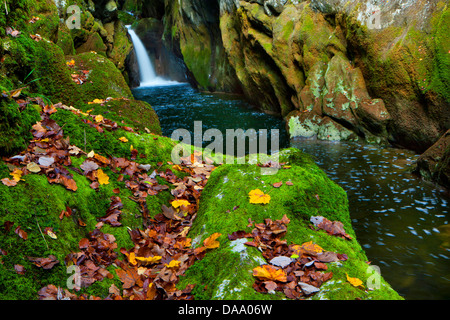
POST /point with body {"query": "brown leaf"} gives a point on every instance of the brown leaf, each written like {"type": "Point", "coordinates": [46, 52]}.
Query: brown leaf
{"type": "Point", "coordinates": [278, 184]}
{"type": "Point", "coordinates": [45, 263]}
{"type": "Point", "coordinates": [19, 269]}
{"type": "Point", "coordinates": [21, 233]}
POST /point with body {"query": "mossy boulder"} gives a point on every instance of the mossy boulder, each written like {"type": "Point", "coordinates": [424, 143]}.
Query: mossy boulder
{"type": "Point", "coordinates": [35, 204]}
{"type": "Point", "coordinates": [226, 272]}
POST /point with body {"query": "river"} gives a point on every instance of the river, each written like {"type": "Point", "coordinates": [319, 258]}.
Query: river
{"type": "Point", "coordinates": [397, 218]}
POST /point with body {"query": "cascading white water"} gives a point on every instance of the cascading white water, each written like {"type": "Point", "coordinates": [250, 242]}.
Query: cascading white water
{"type": "Point", "coordinates": [148, 77]}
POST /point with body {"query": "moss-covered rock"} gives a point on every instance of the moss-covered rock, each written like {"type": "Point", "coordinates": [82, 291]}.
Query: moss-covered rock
{"type": "Point", "coordinates": [35, 204]}
{"type": "Point", "coordinates": [226, 272]}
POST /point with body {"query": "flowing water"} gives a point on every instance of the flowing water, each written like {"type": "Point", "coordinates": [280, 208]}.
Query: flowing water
{"type": "Point", "coordinates": [398, 219]}
{"type": "Point", "coordinates": [401, 222]}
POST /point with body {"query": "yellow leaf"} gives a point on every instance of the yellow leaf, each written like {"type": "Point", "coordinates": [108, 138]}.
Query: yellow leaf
{"type": "Point", "coordinates": [51, 235]}
{"type": "Point", "coordinates": [310, 248]}
{"type": "Point", "coordinates": [179, 203]}
{"type": "Point", "coordinates": [91, 154]}
{"type": "Point", "coordinates": [173, 264]}
{"type": "Point", "coordinates": [269, 273]}
{"type": "Point", "coordinates": [102, 177]}
{"type": "Point", "coordinates": [123, 139]}
{"type": "Point", "coordinates": [257, 196]}
{"type": "Point", "coordinates": [354, 281]}
{"type": "Point", "coordinates": [96, 101]}
{"type": "Point", "coordinates": [17, 174]}
{"type": "Point", "coordinates": [33, 167]}
{"type": "Point", "coordinates": [211, 243]}
{"type": "Point", "coordinates": [149, 260]}
{"type": "Point", "coordinates": [99, 118]}
{"type": "Point", "coordinates": [70, 63]}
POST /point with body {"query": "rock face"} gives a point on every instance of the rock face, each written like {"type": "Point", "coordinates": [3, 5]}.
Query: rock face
{"type": "Point", "coordinates": [379, 70]}
{"type": "Point", "coordinates": [434, 164]}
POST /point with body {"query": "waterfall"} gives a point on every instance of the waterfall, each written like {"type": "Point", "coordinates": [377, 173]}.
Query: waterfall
{"type": "Point", "coordinates": [147, 74]}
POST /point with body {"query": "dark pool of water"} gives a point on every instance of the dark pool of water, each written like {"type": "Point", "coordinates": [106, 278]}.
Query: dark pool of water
{"type": "Point", "coordinates": [397, 218]}
{"type": "Point", "coordinates": [178, 107]}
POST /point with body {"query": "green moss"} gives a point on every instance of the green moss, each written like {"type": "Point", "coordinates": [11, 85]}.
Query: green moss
{"type": "Point", "coordinates": [440, 79]}
{"type": "Point", "coordinates": [197, 56]}
{"type": "Point", "coordinates": [15, 126]}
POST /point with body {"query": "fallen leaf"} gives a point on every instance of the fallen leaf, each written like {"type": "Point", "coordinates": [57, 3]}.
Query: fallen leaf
{"type": "Point", "coordinates": [102, 177]}
{"type": "Point", "coordinates": [45, 263]}
{"type": "Point", "coordinates": [270, 273]}
{"type": "Point", "coordinates": [19, 269]}
{"type": "Point", "coordinates": [17, 174]}
{"type": "Point", "coordinates": [46, 161]}
{"type": "Point", "coordinates": [149, 260]}
{"type": "Point", "coordinates": [281, 261]}
{"type": "Point", "coordinates": [210, 242]}
{"type": "Point", "coordinates": [173, 264]}
{"type": "Point", "coordinates": [89, 166]}
{"type": "Point", "coordinates": [123, 139]}
{"type": "Point", "coordinates": [99, 118]}
{"type": "Point", "coordinates": [8, 182]}
{"type": "Point", "coordinates": [257, 196]}
{"type": "Point", "coordinates": [33, 167]}
{"type": "Point", "coordinates": [354, 281]}
{"type": "Point", "coordinates": [22, 234]}
{"type": "Point", "coordinates": [179, 203]}
{"type": "Point", "coordinates": [278, 184]}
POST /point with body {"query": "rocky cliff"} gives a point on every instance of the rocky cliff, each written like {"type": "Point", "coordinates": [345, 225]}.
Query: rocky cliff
{"type": "Point", "coordinates": [337, 70]}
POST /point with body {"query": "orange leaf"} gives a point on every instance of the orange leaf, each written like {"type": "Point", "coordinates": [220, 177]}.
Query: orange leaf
{"type": "Point", "coordinates": [257, 196]}
{"type": "Point", "coordinates": [269, 273]}
{"type": "Point", "coordinates": [123, 139]}
{"type": "Point", "coordinates": [211, 243]}
{"type": "Point", "coordinates": [354, 281]}
{"type": "Point", "coordinates": [102, 159]}
{"type": "Point", "coordinates": [9, 182]}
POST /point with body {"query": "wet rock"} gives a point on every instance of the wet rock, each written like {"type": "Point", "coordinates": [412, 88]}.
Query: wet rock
{"type": "Point", "coordinates": [434, 164]}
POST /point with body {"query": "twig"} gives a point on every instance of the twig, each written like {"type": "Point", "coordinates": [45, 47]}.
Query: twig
{"type": "Point", "coordinates": [6, 8]}
{"type": "Point", "coordinates": [41, 232]}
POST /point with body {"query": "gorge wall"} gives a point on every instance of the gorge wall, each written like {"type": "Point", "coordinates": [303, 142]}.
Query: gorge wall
{"type": "Point", "coordinates": [335, 70]}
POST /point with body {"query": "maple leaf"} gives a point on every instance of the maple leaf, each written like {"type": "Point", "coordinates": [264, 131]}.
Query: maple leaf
{"type": "Point", "coordinates": [354, 281]}
{"type": "Point", "coordinates": [210, 242]}
{"type": "Point", "coordinates": [70, 63]}
{"type": "Point", "coordinates": [102, 177]}
{"type": "Point", "coordinates": [269, 273]}
{"type": "Point", "coordinates": [257, 196]}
